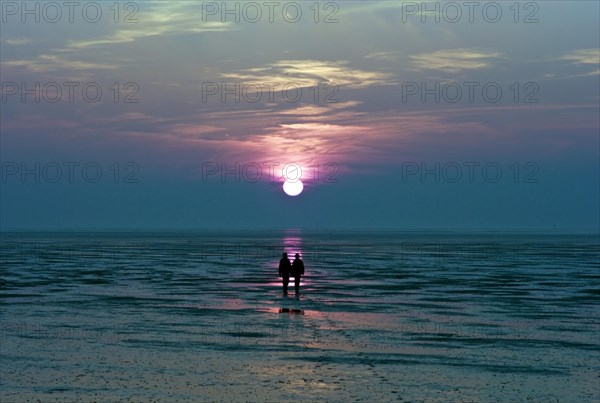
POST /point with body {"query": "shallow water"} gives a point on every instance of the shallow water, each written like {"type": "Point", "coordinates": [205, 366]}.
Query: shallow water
{"type": "Point", "coordinates": [381, 316]}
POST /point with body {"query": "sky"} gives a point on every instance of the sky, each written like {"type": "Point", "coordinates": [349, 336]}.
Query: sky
{"type": "Point", "coordinates": [394, 115]}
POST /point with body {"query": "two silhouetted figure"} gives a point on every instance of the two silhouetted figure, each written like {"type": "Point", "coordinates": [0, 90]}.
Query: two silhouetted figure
{"type": "Point", "coordinates": [295, 269]}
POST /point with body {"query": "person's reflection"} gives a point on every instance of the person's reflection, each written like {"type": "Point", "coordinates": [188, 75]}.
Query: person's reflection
{"type": "Point", "coordinates": [291, 311]}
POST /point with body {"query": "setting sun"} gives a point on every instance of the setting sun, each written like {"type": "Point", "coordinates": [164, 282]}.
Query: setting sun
{"type": "Point", "coordinates": [293, 188]}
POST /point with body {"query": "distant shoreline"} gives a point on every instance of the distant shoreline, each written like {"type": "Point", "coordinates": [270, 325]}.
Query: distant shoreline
{"type": "Point", "coordinates": [307, 231]}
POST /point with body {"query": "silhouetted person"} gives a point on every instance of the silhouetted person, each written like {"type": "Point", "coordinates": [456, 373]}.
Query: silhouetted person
{"type": "Point", "coordinates": [285, 267]}
{"type": "Point", "coordinates": [297, 271]}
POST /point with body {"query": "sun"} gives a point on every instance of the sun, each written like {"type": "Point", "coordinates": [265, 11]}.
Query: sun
{"type": "Point", "coordinates": [293, 188]}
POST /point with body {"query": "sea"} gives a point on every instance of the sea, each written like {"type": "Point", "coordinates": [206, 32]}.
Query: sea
{"type": "Point", "coordinates": [380, 316]}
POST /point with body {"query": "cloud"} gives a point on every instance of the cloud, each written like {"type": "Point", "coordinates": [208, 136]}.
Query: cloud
{"type": "Point", "coordinates": [384, 56]}
{"type": "Point", "coordinates": [199, 131]}
{"type": "Point", "coordinates": [305, 73]}
{"type": "Point", "coordinates": [454, 60]}
{"type": "Point", "coordinates": [18, 41]}
{"type": "Point", "coordinates": [315, 110]}
{"type": "Point", "coordinates": [44, 63]}
{"type": "Point", "coordinates": [162, 18]}
{"type": "Point", "coordinates": [584, 56]}
{"type": "Point", "coordinates": [359, 7]}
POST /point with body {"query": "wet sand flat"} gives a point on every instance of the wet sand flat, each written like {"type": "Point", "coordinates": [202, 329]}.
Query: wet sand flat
{"type": "Point", "coordinates": [380, 317]}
